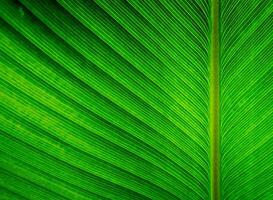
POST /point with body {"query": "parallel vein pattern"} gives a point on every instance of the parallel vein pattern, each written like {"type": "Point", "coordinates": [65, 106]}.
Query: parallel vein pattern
{"type": "Point", "coordinates": [247, 99]}
{"type": "Point", "coordinates": [112, 99]}
{"type": "Point", "coordinates": [104, 99]}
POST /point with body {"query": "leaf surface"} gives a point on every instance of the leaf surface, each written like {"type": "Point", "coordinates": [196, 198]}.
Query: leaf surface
{"type": "Point", "coordinates": [133, 99]}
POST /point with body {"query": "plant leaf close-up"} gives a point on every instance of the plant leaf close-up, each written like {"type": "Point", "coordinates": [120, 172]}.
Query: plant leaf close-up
{"type": "Point", "coordinates": [130, 99]}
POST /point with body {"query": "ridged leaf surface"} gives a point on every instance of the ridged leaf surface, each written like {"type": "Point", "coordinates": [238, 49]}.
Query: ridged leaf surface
{"type": "Point", "coordinates": [113, 99]}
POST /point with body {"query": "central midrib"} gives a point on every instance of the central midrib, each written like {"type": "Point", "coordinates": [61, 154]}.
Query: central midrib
{"type": "Point", "coordinates": [214, 103]}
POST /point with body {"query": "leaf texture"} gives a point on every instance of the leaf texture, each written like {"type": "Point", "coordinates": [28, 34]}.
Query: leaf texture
{"type": "Point", "coordinates": [111, 99]}
{"type": "Point", "coordinates": [246, 85]}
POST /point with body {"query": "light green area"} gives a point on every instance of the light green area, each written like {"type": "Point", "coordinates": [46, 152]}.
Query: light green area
{"type": "Point", "coordinates": [246, 99]}
{"type": "Point", "coordinates": [214, 118]}
{"type": "Point", "coordinates": [136, 99]}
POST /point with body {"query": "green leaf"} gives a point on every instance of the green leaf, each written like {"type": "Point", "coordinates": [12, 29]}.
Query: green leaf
{"type": "Point", "coordinates": [136, 99]}
{"type": "Point", "coordinates": [246, 87]}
